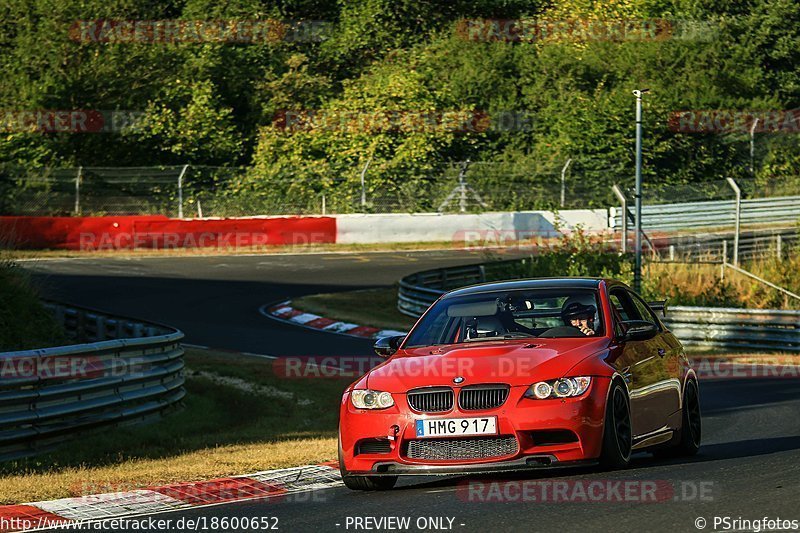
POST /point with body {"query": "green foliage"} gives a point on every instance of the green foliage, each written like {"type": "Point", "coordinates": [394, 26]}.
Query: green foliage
{"type": "Point", "coordinates": [24, 323]}
{"type": "Point", "coordinates": [215, 103]}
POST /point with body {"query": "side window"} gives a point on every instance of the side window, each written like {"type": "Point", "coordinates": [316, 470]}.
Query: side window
{"type": "Point", "coordinates": [645, 311]}
{"type": "Point", "coordinates": [621, 301]}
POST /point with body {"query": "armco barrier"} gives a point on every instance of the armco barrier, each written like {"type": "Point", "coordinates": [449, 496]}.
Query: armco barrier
{"type": "Point", "coordinates": [106, 233]}
{"type": "Point", "coordinates": [759, 329]}
{"type": "Point", "coordinates": [693, 215]}
{"type": "Point", "coordinates": [124, 371]}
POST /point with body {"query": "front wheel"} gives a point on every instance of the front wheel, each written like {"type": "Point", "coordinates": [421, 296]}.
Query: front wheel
{"type": "Point", "coordinates": [617, 433]}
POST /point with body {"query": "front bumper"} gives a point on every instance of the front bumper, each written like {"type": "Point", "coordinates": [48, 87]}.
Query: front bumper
{"type": "Point", "coordinates": [523, 418]}
{"type": "Point", "coordinates": [533, 462]}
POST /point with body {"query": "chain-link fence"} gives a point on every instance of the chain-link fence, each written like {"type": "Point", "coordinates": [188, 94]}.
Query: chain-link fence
{"type": "Point", "coordinates": [228, 191]}
{"type": "Point", "coordinates": [202, 191]}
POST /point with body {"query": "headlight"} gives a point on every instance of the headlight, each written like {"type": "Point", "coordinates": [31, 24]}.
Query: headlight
{"type": "Point", "coordinates": [559, 388]}
{"type": "Point", "coordinates": [371, 399]}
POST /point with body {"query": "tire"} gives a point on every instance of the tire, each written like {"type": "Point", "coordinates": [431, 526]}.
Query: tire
{"type": "Point", "coordinates": [617, 431]}
{"type": "Point", "coordinates": [691, 432]}
{"type": "Point", "coordinates": [364, 482]}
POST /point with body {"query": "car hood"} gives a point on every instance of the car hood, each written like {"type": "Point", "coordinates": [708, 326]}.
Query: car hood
{"type": "Point", "coordinates": [511, 362]}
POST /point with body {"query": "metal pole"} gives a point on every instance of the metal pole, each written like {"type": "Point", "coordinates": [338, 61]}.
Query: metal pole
{"type": "Point", "coordinates": [738, 192]}
{"type": "Point", "coordinates": [564, 181]}
{"type": "Point", "coordinates": [779, 247]}
{"type": "Point", "coordinates": [78, 179]}
{"type": "Point", "coordinates": [462, 185]}
{"type": "Point", "coordinates": [753, 148]}
{"type": "Point", "coordinates": [637, 271]}
{"type": "Point", "coordinates": [624, 201]}
{"type": "Point", "coordinates": [180, 190]}
{"type": "Point", "coordinates": [323, 204]}
{"type": "Point", "coordinates": [363, 185]}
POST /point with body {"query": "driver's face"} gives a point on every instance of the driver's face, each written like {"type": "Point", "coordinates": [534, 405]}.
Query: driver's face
{"type": "Point", "coordinates": [582, 322]}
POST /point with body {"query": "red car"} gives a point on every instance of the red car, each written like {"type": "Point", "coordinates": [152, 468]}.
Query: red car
{"type": "Point", "coordinates": [521, 374]}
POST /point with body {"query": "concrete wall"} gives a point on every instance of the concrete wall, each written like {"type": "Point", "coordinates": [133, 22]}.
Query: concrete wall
{"type": "Point", "coordinates": [487, 227]}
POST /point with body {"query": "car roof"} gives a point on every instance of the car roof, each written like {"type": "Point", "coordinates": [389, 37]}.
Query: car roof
{"type": "Point", "coordinates": [532, 283]}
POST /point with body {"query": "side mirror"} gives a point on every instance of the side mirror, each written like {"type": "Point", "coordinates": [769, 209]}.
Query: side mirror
{"type": "Point", "coordinates": [387, 346]}
{"type": "Point", "coordinates": [638, 330]}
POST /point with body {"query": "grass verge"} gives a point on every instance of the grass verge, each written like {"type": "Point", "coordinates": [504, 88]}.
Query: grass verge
{"type": "Point", "coordinates": [24, 322]}
{"type": "Point", "coordinates": [239, 417]}
{"type": "Point", "coordinates": [371, 307]}
{"type": "Point", "coordinates": [269, 250]}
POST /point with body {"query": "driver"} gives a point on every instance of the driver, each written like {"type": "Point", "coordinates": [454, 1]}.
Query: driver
{"type": "Point", "coordinates": [579, 316]}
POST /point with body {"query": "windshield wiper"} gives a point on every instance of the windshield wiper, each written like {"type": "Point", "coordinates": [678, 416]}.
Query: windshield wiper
{"type": "Point", "coordinates": [517, 335]}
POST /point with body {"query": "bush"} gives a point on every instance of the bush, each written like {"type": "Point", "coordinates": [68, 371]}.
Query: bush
{"type": "Point", "coordinates": [24, 322]}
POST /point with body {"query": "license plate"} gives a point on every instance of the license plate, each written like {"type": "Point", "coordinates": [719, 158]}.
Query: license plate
{"type": "Point", "coordinates": [447, 427]}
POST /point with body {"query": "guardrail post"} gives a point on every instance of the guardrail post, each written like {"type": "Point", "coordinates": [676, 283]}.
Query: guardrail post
{"type": "Point", "coordinates": [724, 251]}
{"type": "Point", "coordinates": [624, 201]}
{"type": "Point", "coordinates": [672, 252]}
{"type": "Point", "coordinates": [180, 190]}
{"type": "Point", "coordinates": [738, 192]}
{"type": "Point", "coordinates": [779, 247]}
{"type": "Point", "coordinates": [564, 182]}
{"type": "Point", "coordinates": [78, 180]}
{"type": "Point", "coordinates": [364, 186]}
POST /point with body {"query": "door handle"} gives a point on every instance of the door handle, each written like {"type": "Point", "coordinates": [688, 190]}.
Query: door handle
{"type": "Point", "coordinates": [662, 352]}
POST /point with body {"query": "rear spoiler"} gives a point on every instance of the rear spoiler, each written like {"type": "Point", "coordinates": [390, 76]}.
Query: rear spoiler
{"type": "Point", "coordinates": [659, 305]}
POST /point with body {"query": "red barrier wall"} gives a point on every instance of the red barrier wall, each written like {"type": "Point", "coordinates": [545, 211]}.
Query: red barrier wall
{"type": "Point", "coordinates": [113, 233]}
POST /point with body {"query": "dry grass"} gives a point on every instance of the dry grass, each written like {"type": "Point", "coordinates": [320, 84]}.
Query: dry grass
{"type": "Point", "coordinates": [703, 284]}
{"type": "Point", "coordinates": [132, 474]}
{"type": "Point", "coordinates": [225, 429]}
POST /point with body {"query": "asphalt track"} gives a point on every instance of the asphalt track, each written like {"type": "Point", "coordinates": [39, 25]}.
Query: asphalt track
{"type": "Point", "coordinates": [748, 467]}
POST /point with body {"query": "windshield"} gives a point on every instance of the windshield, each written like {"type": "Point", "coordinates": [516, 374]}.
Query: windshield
{"type": "Point", "coordinates": [543, 313]}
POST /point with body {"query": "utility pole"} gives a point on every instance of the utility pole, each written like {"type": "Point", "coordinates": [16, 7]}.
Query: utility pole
{"type": "Point", "coordinates": [637, 270]}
